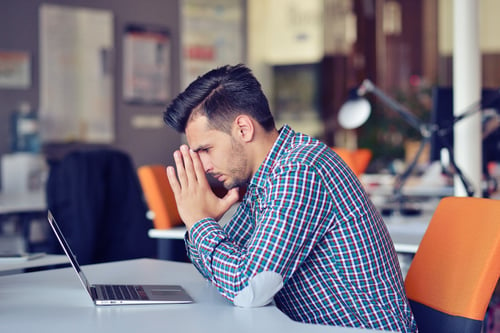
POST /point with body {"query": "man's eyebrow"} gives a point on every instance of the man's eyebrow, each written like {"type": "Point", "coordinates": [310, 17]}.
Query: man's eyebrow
{"type": "Point", "coordinates": [197, 149]}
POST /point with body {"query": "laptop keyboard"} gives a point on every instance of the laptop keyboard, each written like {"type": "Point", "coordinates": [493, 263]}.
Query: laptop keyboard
{"type": "Point", "coordinates": [123, 292]}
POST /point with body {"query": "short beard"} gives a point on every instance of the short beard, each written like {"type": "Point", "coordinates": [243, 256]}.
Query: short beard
{"type": "Point", "coordinates": [236, 183]}
{"type": "Point", "coordinates": [238, 170]}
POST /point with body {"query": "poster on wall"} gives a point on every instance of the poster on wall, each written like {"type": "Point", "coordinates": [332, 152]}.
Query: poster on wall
{"type": "Point", "coordinates": [15, 69]}
{"type": "Point", "coordinates": [296, 32]}
{"type": "Point", "coordinates": [76, 74]}
{"type": "Point", "coordinates": [146, 65]}
{"type": "Point", "coordinates": [212, 35]}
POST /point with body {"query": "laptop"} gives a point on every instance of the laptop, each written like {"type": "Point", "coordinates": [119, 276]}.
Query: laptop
{"type": "Point", "coordinates": [116, 294]}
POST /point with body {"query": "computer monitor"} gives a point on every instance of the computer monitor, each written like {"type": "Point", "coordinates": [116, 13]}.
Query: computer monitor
{"type": "Point", "coordinates": [442, 115]}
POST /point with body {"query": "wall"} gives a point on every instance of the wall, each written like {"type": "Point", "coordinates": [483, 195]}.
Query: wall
{"type": "Point", "coordinates": [19, 31]}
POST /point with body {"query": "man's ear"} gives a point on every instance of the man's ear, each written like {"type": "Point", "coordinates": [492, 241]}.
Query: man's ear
{"type": "Point", "coordinates": [244, 128]}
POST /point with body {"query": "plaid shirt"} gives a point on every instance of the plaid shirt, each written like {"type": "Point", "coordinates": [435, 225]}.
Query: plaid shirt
{"type": "Point", "coordinates": [306, 217]}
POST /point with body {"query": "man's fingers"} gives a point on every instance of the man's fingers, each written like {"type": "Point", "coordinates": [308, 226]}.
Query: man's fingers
{"type": "Point", "coordinates": [198, 168]}
{"type": "Point", "coordinates": [181, 172]}
{"type": "Point", "coordinates": [172, 179]}
{"type": "Point", "coordinates": [188, 164]}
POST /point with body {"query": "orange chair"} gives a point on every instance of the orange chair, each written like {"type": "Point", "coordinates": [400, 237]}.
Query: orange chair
{"type": "Point", "coordinates": [357, 159]}
{"type": "Point", "coordinates": [362, 158]}
{"type": "Point", "coordinates": [159, 196]}
{"type": "Point", "coordinates": [346, 155]}
{"type": "Point", "coordinates": [457, 266]}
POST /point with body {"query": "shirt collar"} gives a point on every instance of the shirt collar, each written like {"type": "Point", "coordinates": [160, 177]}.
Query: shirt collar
{"type": "Point", "coordinates": [284, 138]}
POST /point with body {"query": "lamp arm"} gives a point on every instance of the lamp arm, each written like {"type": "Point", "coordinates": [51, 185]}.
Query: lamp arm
{"type": "Point", "coordinates": [441, 134]}
{"type": "Point", "coordinates": [426, 130]}
{"type": "Point", "coordinates": [469, 111]}
{"type": "Point", "coordinates": [469, 188]}
{"type": "Point", "coordinates": [476, 107]}
{"type": "Point", "coordinates": [403, 177]}
{"type": "Point", "coordinates": [368, 86]}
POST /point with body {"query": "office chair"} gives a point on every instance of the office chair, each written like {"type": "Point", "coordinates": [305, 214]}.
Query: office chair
{"type": "Point", "coordinates": [357, 159]}
{"type": "Point", "coordinates": [456, 267]}
{"type": "Point", "coordinates": [161, 202]}
{"type": "Point", "coordinates": [96, 197]}
{"type": "Point", "coordinates": [346, 155]}
{"type": "Point", "coordinates": [362, 158]}
{"type": "Point", "coordinates": [159, 196]}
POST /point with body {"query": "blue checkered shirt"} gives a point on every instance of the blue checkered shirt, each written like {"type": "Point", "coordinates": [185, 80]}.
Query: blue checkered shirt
{"type": "Point", "coordinates": [306, 217]}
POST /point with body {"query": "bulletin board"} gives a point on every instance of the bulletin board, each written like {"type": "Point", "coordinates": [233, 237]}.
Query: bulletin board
{"type": "Point", "coordinates": [146, 64]}
{"type": "Point", "coordinates": [76, 74]}
{"type": "Point", "coordinates": [212, 36]}
{"type": "Point", "coordinates": [15, 69]}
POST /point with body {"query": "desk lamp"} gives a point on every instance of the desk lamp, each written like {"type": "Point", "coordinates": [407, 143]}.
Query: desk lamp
{"type": "Point", "coordinates": [355, 113]}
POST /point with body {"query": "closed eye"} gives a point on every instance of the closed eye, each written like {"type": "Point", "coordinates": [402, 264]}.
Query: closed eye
{"type": "Point", "coordinates": [202, 150]}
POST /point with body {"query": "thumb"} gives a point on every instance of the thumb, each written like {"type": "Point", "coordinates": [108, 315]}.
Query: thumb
{"type": "Point", "coordinates": [226, 202]}
{"type": "Point", "coordinates": [230, 198]}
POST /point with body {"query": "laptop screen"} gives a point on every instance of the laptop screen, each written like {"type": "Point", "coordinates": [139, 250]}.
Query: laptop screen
{"type": "Point", "coordinates": [69, 253]}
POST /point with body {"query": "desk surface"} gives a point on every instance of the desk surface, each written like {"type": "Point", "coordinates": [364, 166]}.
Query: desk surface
{"type": "Point", "coordinates": [383, 185]}
{"type": "Point", "coordinates": [15, 265]}
{"type": "Point", "coordinates": [55, 301]}
{"type": "Point", "coordinates": [178, 232]}
{"type": "Point", "coordinates": [406, 231]}
{"type": "Point", "coordinates": [22, 202]}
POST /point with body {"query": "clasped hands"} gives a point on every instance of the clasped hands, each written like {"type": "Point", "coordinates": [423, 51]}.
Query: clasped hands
{"type": "Point", "coordinates": [193, 194]}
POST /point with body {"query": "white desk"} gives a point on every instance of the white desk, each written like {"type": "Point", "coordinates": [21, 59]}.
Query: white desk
{"type": "Point", "coordinates": [179, 231]}
{"type": "Point", "coordinates": [22, 202]}
{"type": "Point", "coordinates": [54, 301]}
{"type": "Point", "coordinates": [27, 206]}
{"type": "Point", "coordinates": [172, 233]}
{"type": "Point", "coordinates": [383, 185]}
{"type": "Point", "coordinates": [11, 266]}
{"type": "Point", "coordinates": [406, 232]}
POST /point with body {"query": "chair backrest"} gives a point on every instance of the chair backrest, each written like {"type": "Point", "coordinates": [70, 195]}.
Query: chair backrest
{"type": "Point", "coordinates": [362, 158]}
{"type": "Point", "coordinates": [159, 196]}
{"type": "Point", "coordinates": [96, 197]}
{"type": "Point", "coordinates": [457, 266]}
{"type": "Point", "coordinates": [357, 159]}
{"type": "Point", "coordinates": [346, 155]}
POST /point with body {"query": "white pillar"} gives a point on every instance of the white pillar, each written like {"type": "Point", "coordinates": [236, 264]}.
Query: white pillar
{"type": "Point", "coordinates": [466, 91]}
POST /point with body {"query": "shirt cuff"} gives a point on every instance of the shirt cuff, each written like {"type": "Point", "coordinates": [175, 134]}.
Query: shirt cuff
{"type": "Point", "coordinates": [190, 249]}
{"type": "Point", "coordinates": [205, 235]}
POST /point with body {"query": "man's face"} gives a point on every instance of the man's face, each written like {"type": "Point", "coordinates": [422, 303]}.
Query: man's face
{"type": "Point", "coordinates": [221, 154]}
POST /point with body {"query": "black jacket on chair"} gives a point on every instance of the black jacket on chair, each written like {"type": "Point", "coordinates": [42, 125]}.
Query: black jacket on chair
{"type": "Point", "coordinates": [96, 198]}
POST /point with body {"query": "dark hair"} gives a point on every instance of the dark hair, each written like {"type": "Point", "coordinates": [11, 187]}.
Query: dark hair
{"type": "Point", "coordinates": [221, 95]}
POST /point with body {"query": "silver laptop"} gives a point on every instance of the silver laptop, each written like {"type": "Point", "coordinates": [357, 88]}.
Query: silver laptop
{"type": "Point", "coordinates": [104, 294]}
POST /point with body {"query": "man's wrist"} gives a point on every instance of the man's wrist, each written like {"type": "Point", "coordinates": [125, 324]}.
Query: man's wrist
{"type": "Point", "coordinates": [202, 229]}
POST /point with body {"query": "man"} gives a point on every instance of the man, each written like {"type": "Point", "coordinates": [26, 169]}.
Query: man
{"type": "Point", "coordinates": [305, 235]}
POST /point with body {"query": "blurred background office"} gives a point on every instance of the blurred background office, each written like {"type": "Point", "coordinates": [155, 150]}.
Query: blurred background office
{"type": "Point", "coordinates": [88, 74]}
{"type": "Point", "coordinates": [83, 77]}
{"type": "Point", "coordinates": [82, 74]}
{"type": "Point", "coordinates": [76, 66]}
